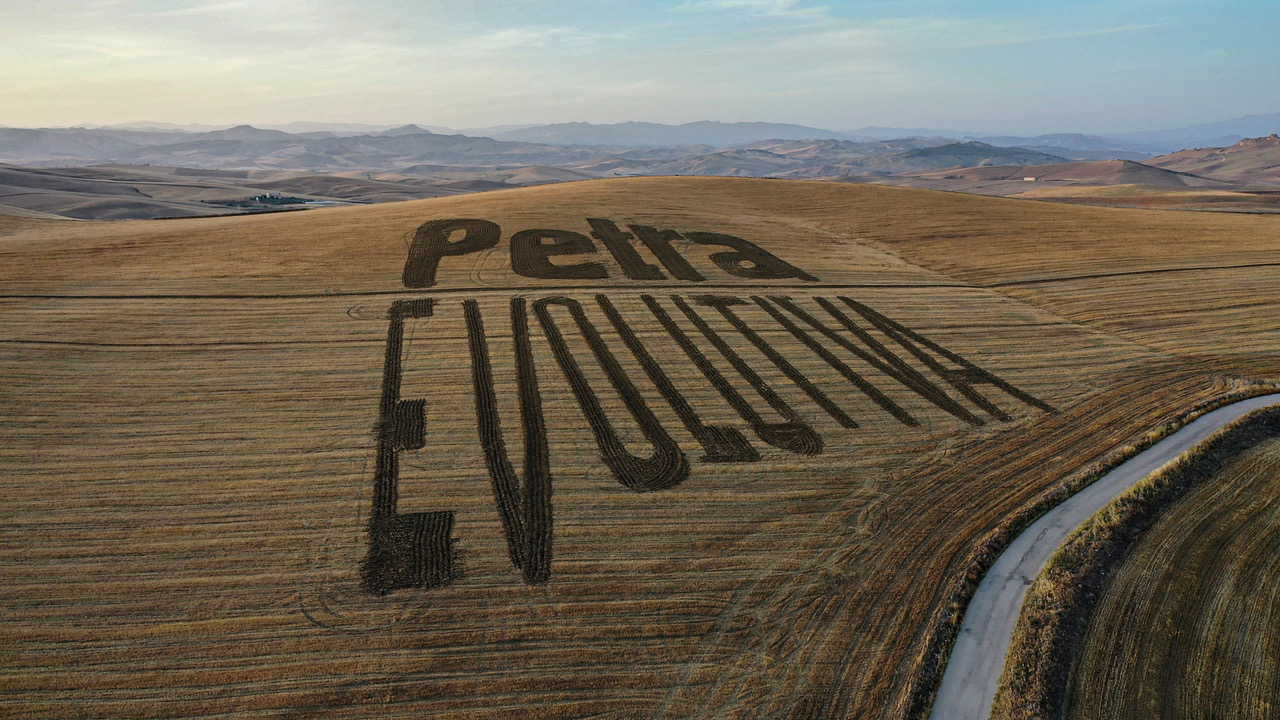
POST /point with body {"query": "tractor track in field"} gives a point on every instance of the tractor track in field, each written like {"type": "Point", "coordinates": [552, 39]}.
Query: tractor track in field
{"type": "Point", "coordinates": [450, 291]}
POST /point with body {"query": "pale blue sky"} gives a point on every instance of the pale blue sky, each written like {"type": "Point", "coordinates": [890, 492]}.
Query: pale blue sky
{"type": "Point", "coordinates": [1000, 66]}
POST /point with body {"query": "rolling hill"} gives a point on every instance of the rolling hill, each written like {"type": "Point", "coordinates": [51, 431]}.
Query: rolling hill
{"type": "Point", "coordinates": [131, 192]}
{"type": "Point", "coordinates": [833, 158]}
{"type": "Point", "coordinates": [1116, 183]}
{"type": "Point", "coordinates": [1109, 172]}
{"type": "Point", "coordinates": [966, 154]}
{"type": "Point", "coordinates": [1252, 160]}
{"type": "Point", "coordinates": [638, 447]}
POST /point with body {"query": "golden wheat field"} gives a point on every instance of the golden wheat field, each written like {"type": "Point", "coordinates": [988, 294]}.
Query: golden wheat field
{"type": "Point", "coordinates": [653, 447]}
{"type": "Point", "coordinates": [1185, 626]}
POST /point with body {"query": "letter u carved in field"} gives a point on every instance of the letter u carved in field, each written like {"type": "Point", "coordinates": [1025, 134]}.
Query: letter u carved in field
{"type": "Point", "coordinates": [526, 517]}
{"type": "Point", "coordinates": [405, 549]}
{"type": "Point", "coordinates": [667, 466]}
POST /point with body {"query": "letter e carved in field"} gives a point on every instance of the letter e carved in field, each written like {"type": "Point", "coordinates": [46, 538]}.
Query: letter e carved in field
{"type": "Point", "coordinates": [530, 250]}
{"type": "Point", "coordinates": [405, 549]}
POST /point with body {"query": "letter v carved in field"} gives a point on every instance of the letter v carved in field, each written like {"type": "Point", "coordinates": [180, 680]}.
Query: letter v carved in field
{"type": "Point", "coordinates": [526, 517]}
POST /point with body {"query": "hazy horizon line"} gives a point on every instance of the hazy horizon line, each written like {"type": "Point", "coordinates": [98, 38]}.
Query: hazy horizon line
{"type": "Point", "coordinates": [382, 126]}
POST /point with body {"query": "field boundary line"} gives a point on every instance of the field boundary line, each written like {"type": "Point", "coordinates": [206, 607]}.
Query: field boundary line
{"type": "Point", "coordinates": [681, 287]}
{"type": "Point", "coordinates": [195, 345]}
{"type": "Point", "coordinates": [1126, 273]}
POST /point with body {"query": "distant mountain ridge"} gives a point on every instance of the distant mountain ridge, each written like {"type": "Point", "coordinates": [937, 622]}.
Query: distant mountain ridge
{"type": "Point", "coordinates": [243, 162]}
{"type": "Point", "coordinates": [247, 133]}
{"type": "Point", "coordinates": [644, 134]}
{"type": "Point", "coordinates": [1133, 145]}
{"type": "Point", "coordinates": [633, 148]}
{"type": "Point", "coordinates": [405, 130]}
{"type": "Point", "coordinates": [245, 146]}
{"type": "Point", "coordinates": [1221, 133]}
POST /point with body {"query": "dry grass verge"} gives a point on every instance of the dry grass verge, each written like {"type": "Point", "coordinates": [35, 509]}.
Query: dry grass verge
{"type": "Point", "coordinates": [1058, 605]}
{"type": "Point", "coordinates": [943, 637]}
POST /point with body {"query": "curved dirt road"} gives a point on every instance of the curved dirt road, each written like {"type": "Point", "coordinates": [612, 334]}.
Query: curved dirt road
{"type": "Point", "coordinates": [973, 672]}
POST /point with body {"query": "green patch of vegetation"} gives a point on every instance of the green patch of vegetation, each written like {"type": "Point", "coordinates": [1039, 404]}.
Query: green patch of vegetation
{"type": "Point", "coordinates": [268, 200]}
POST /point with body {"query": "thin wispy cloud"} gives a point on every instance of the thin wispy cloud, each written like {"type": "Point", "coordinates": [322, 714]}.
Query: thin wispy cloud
{"type": "Point", "coordinates": [839, 65]}
{"type": "Point", "coordinates": [1032, 36]}
{"type": "Point", "coordinates": [784, 9]}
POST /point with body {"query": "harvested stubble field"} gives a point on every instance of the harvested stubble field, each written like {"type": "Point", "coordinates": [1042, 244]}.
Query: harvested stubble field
{"type": "Point", "coordinates": [1159, 604]}
{"type": "Point", "coordinates": [1186, 625]}
{"type": "Point", "coordinates": [327, 464]}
